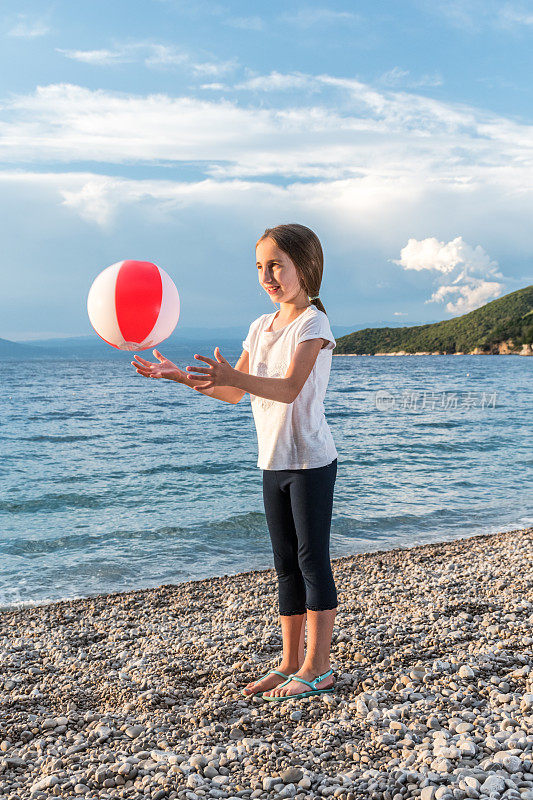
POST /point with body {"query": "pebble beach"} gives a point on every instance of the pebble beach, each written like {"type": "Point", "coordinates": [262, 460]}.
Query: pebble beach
{"type": "Point", "coordinates": [137, 694]}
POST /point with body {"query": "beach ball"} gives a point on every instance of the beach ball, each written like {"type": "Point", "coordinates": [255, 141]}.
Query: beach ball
{"type": "Point", "coordinates": [133, 305]}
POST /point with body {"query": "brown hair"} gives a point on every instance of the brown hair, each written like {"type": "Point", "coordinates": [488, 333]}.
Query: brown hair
{"type": "Point", "coordinates": [305, 251]}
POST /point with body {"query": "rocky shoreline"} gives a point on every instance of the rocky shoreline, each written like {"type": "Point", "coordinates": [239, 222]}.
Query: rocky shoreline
{"type": "Point", "coordinates": [137, 694]}
{"type": "Point", "coordinates": [525, 351]}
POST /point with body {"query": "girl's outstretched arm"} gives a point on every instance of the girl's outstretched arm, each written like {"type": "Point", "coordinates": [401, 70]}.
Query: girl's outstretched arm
{"type": "Point", "coordinates": [231, 394]}
{"type": "Point", "coordinates": [167, 369]}
{"type": "Point", "coordinates": [285, 390]}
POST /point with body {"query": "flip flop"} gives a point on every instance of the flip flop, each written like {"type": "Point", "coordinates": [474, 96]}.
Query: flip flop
{"type": "Point", "coordinates": [260, 694]}
{"type": "Point", "coordinates": [312, 684]}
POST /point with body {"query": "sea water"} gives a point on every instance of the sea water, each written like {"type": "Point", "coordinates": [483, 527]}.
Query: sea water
{"type": "Point", "coordinates": [111, 481]}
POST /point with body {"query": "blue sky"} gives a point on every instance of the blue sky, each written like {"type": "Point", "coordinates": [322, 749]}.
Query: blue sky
{"type": "Point", "coordinates": [176, 132]}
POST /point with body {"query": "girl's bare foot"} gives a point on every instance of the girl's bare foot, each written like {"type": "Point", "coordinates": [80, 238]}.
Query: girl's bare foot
{"type": "Point", "coordinates": [269, 681]}
{"type": "Point", "coordinates": [295, 687]}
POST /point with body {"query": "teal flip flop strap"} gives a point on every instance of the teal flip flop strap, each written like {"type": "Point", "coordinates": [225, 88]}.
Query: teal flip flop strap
{"type": "Point", "coordinates": [312, 683]}
{"type": "Point", "coordinates": [270, 671]}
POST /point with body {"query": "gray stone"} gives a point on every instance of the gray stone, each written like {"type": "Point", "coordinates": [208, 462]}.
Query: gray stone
{"type": "Point", "coordinates": [466, 672]}
{"type": "Point", "coordinates": [194, 780]}
{"type": "Point", "coordinates": [493, 784]}
{"type": "Point", "coordinates": [510, 763]}
{"type": "Point", "coordinates": [48, 782]}
{"type": "Point", "coordinates": [292, 775]}
{"type": "Point", "coordinates": [133, 731]}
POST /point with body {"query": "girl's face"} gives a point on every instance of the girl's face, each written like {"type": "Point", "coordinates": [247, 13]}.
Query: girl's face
{"type": "Point", "coordinates": [277, 273]}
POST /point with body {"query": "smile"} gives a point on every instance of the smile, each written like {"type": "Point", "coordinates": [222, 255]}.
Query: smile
{"type": "Point", "coordinates": [272, 290]}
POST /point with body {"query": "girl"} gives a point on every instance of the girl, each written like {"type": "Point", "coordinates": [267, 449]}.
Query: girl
{"type": "Point", "coordinates": [285, 366]}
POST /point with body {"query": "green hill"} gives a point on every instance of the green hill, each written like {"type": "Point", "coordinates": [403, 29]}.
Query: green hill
{"type": "Point", "coordinates": [502, 326]}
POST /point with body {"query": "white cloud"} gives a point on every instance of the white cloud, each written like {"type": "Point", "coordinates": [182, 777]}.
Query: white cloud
{"type": "Point", "coordinates": [397, 76]}
{"type": "Point", "coordinates": [393, 76]}
{"type": "Point", "coordinates": [152, 55]}
{"type": "Point", "coordinates": [93, 200]}
{"type": "Point", "coordinates": [215, 87]}
{"type": "Point", "coordinates": [360, 222]}
{"type": "Point", "coordinates": [461, 13]}
{"type": "Point", "coordinates": [464, 271]}
{"type": "Point", "coordinates": [368, 165]}
{"type": "Point", "coordinates": [434, 255]}
{"type": "Point", "coordinates": [100, 199]}
{"type": "Point", "coordinates": [306, 17]}
{"type": "Point", "coordinates": [358, 132]}
{"type": "Point", "coordinates": [475, 16]}
{"type": "Point", "coordinates": [27, 27]}
{"type": "Point", "coordinates": [372, 211]}
{"type": "Point", "coordinates": [278, 81]}
{"type": "Point", "coordinates": [200, 8]}
{"type": "Point", "coordinates": [425, 80]}
{"type": "Point", "coordinates": [512, 15]}
{"type": "Point", "coordinates": [246, 23]}
{"type": "Point", "coordinates": [214, 68]}
{"type": "Point", "coordinates": [100, 58]}
{"type": "Point", "coordinates": [469, 296]}
{"type": "Point", "coordinates": [167, 56]}
{"type": "Point", "coordinates": [163, 55]}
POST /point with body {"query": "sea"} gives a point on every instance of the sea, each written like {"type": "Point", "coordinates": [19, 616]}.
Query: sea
{"type": "Point", "coordinates": [111, 481]}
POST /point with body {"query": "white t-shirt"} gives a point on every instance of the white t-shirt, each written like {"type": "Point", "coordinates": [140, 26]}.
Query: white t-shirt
{"type": "Point", "coordinates": [291, 435]}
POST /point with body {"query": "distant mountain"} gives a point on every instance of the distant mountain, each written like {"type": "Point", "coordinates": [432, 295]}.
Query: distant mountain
{"type": "Point", "coordinates": [21, 350]}
{"type": "Point", "coordinates": [183, 340]}
{"type": "Point", "coordinates": [91, 346]}
{"type": "Point", "coordinates": [502, 326]}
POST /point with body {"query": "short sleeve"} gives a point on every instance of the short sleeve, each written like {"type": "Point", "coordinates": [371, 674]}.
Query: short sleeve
{"type": "Point", "coordinates": [317, 327]}
{"type": "Point", "coordinates": [247, 342]}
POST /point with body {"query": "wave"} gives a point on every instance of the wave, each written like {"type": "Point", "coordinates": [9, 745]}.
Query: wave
{"type": "Point", "coordinates": [50, 437]}
{"type": "Point", "coordinates": [59, 415]}
{"type": "Point", "coordinates": [340, 414]}
{"type": "Point", "coordinates": [430, 424]}
{"type": "Point", "coordinates": [238, 526]}
{"type": "Point", "coordinates": [55, 502]}
{"type": "Point", "coordinates": [214, 468]}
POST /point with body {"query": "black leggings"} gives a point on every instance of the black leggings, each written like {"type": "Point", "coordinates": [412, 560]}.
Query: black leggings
{"type": "Point", "coordinates": [298, 505]}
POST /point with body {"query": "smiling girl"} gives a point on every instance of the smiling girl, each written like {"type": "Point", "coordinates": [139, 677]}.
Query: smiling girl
{"type": "Point", "coordinates": [285, 366]}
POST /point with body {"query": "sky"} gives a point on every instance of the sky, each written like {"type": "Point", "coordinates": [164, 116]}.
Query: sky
{"type": "Point", "coordinates": [177, 132]}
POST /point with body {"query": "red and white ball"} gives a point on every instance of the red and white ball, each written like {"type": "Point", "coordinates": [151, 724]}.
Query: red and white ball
{"type": "Point", "coordinates": [133, 305]}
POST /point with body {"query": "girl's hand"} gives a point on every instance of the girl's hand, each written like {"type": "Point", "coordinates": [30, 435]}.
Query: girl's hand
{"type": "Point", "coordinates": [165, 369]}
{"type": "Point", "coordinates": [220, 373]}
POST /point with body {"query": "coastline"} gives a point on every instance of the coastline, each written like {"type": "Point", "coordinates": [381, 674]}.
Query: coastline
{"type": "Point", "coordinates": [425, 353]}
{"type": "Point", "coordinates": [137, 694]}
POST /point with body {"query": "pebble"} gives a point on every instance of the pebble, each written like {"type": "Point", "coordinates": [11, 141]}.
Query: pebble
{"type": "Point", "coordinates": [133, 731]}
{"type": "Point", "coordinates": [291, 775]}
{"type": "Point", "coordinates": [136, 695]}
{"type": "Point", "coordinates": [493, 784]}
